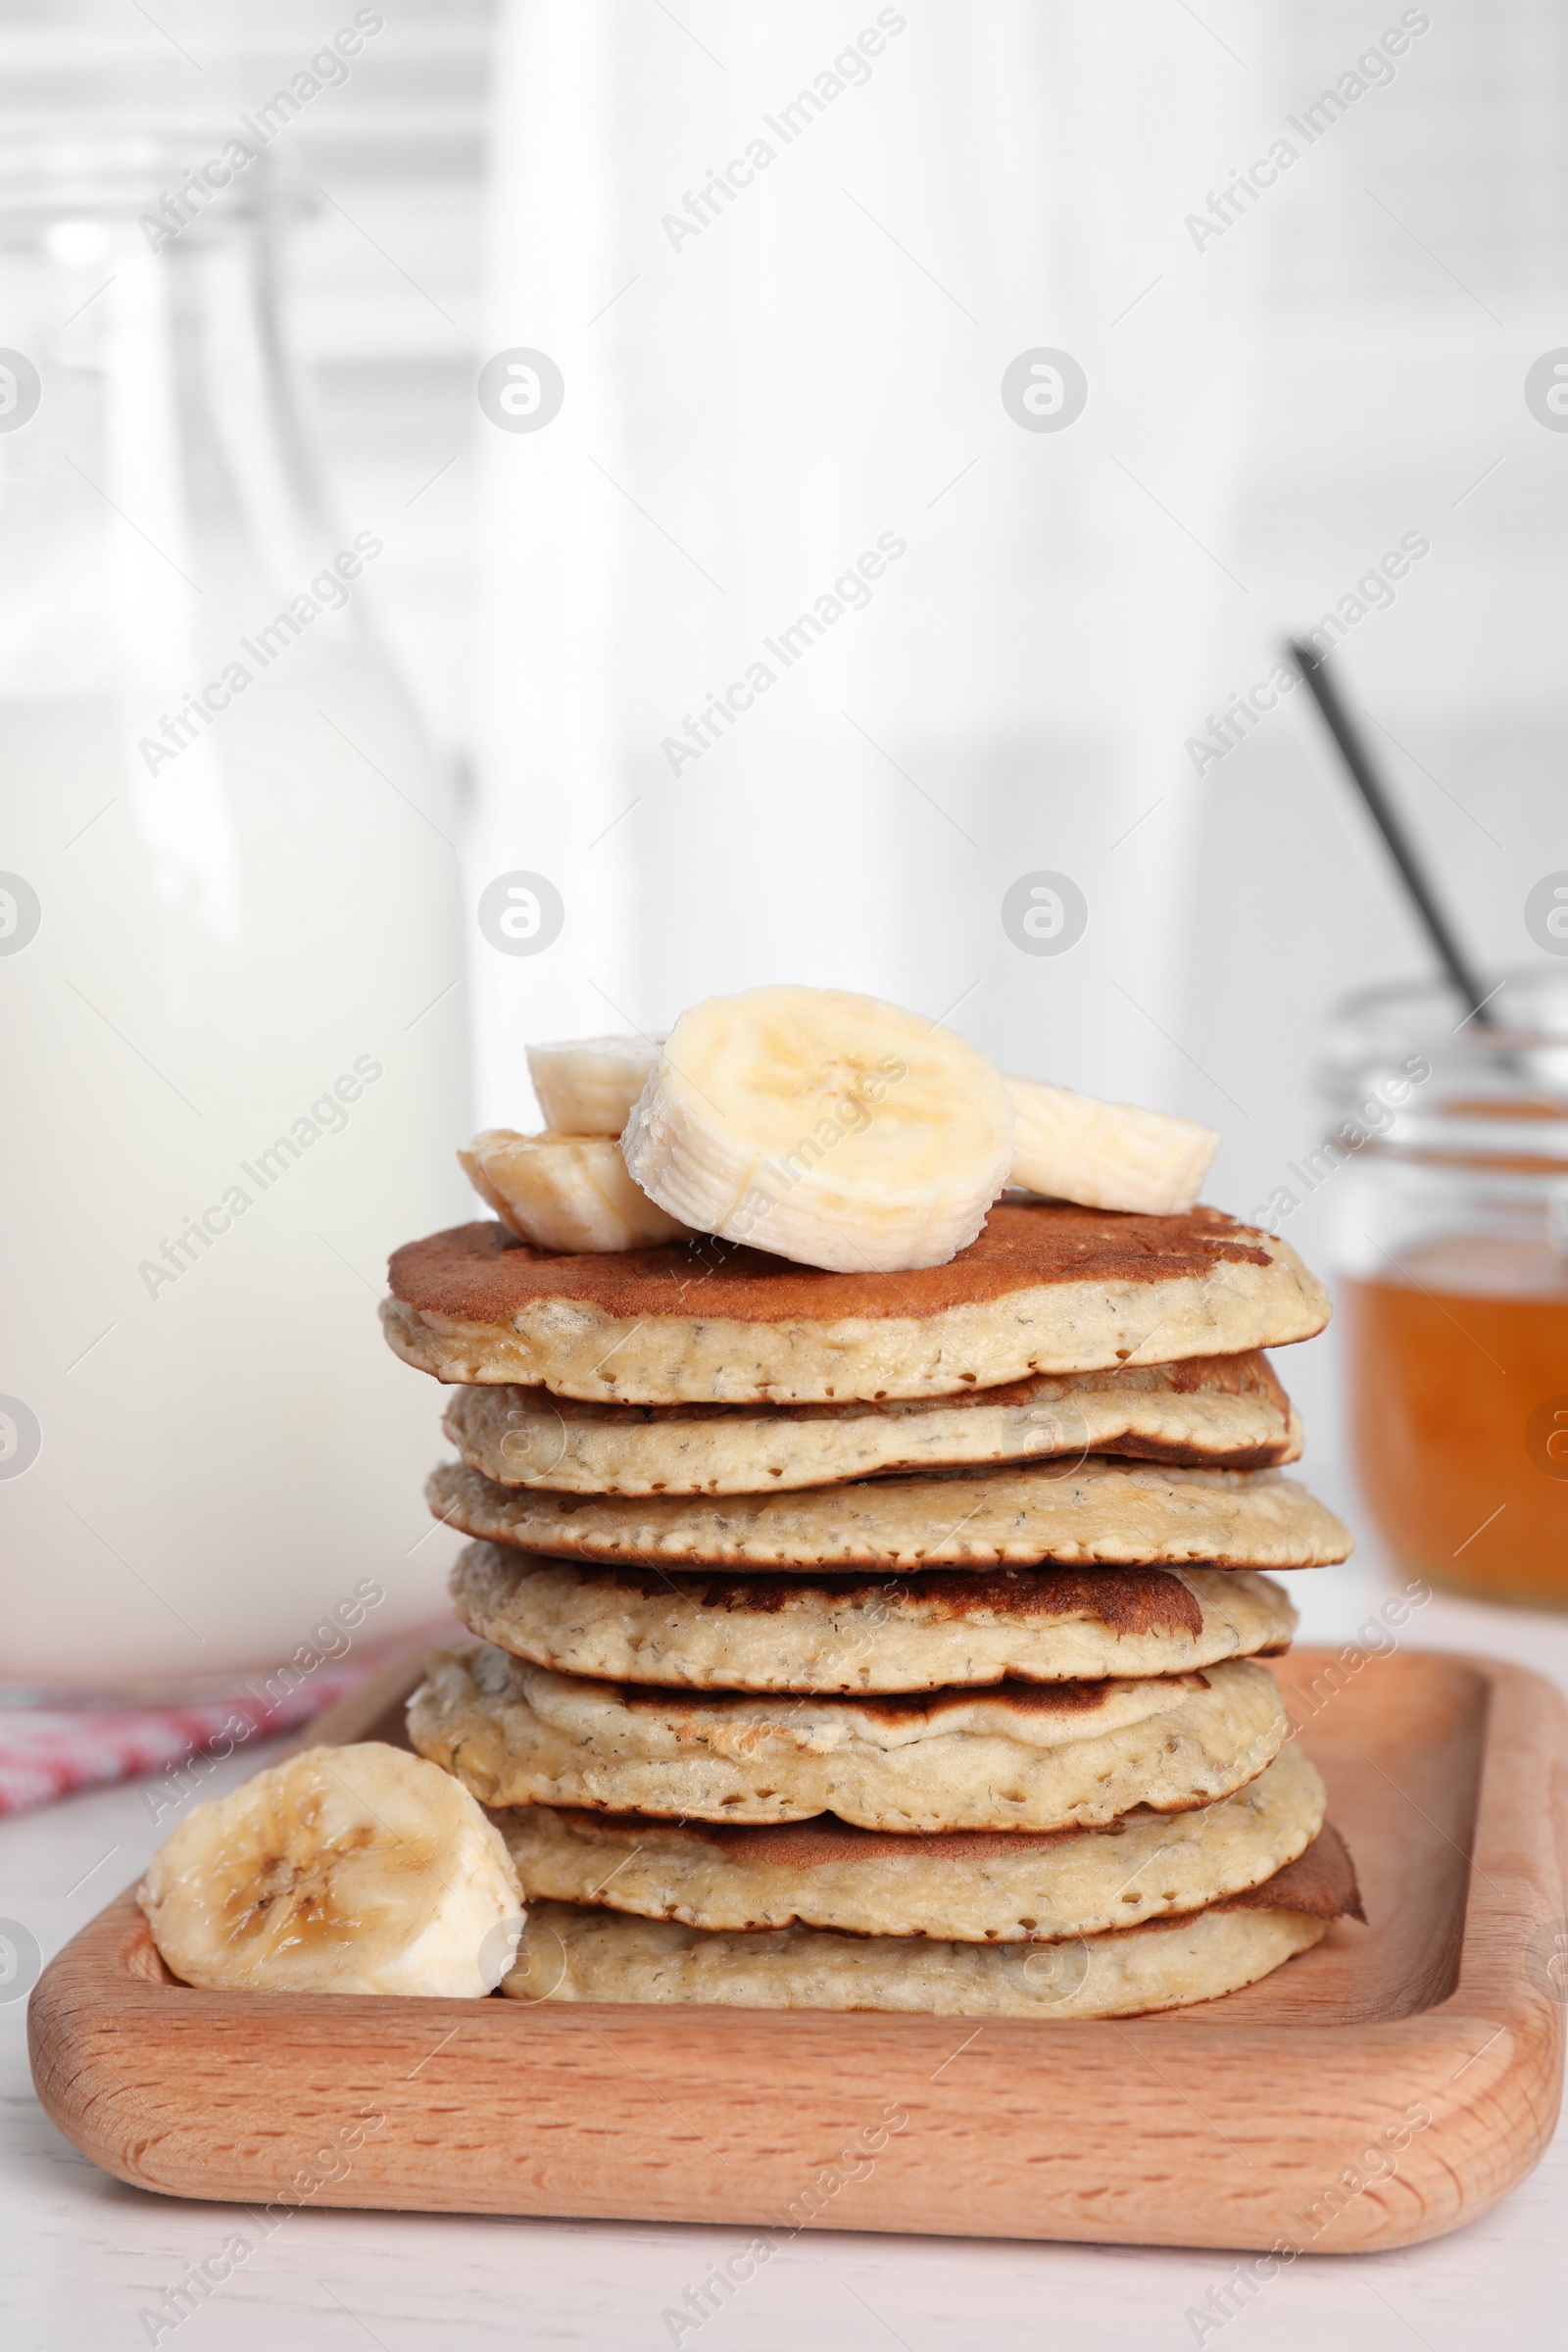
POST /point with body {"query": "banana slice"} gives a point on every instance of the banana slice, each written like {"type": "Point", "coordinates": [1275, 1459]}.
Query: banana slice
{"type": "Point", "coordinates": [588, 1088]}
{"type": "Point", "coordinates": [345, 1870]}
{"type": "Point", "coordinates": [565, 1191]}
{"type": "Point", "coordinates": [827, 1128]}
{"type": "Point", "coordinates": [1107, 1154]}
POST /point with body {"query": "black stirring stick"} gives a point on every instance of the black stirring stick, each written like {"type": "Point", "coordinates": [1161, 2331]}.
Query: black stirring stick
{"type": "Point", "coordinates": [1352, 751]}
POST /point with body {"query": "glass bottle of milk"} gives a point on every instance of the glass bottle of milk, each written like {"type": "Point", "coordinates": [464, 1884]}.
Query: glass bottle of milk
{"type": "Point", "coordinates": [230, 1005]}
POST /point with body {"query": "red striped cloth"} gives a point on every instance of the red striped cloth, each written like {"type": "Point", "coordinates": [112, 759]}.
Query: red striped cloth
{"type": "Point", "coordinates": [46, 1752]}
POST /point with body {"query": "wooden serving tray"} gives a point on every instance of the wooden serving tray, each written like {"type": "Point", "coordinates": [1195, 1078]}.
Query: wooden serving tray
{"type": "Point", "coordinates": [1390, 2084]}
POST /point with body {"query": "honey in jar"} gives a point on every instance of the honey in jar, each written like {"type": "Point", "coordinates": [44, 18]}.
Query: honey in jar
{"type": "Point", "coordinates": [1457, 1380]}
{"type": "Point", "coordinates": [1452, 1249]}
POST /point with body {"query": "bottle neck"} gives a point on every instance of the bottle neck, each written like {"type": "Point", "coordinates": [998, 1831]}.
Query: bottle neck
{"type": "Point", "coordinates": [163, 492]}
{"type": "Point", "coordinates": [209, 181]}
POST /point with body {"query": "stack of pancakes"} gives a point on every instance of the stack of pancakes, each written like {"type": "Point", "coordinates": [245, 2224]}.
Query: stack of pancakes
{"type": "Point", "coordinates": [882, 1640]}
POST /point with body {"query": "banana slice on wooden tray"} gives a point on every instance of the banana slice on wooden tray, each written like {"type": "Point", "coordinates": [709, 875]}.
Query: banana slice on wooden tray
{"type": "Point", "coordinates": [358, 1869]}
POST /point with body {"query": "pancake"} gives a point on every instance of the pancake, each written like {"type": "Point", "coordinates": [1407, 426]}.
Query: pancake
{"type": "Point", "coordinates": [938, 1628]}
{"type": "Point", "coordinates": [972, 1886]}
{"type": "Point", "coordinates": [1224, 1411]}
{"type": "Point", "coordinates": [1020, 1756]}
{"type": "Point", "coordinates": [1080, 1514]}
{"type": "Point", "coordinates": [570, 1954]}
{"type": "Point", "coordinates": [1046, 1288]}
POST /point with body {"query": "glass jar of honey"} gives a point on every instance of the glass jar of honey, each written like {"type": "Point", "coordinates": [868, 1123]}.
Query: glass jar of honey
{"type": "Point", "coordinates": [1448, 1156]}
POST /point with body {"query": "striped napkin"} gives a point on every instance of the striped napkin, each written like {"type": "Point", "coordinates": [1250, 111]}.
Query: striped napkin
{"type": "Point", "coordinates": [47, 1752]}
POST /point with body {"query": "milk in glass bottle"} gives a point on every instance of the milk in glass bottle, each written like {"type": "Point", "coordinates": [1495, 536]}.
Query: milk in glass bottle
{"type": "Point", "coordinates": [229, 998]}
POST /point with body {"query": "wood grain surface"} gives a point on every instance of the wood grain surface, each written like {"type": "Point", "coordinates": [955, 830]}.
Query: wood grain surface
{"type": "Point", "coordinates": [1384, 2088]}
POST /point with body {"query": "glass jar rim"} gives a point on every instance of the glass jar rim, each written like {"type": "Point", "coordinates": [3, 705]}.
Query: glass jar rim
{"type": "Point", "coordinates": [1413, 1073]}
{"type": "Point", "coordinates": [1528, 1005]}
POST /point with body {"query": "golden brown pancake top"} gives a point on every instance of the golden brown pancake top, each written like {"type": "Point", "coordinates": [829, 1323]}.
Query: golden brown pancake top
{"type": "Point", "coordinates": [1131, 1600]}
{"type": "Point", "coordinates": [483, 1274]}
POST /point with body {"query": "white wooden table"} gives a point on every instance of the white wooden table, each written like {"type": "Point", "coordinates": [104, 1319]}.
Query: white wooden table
{"type": "Point", "coordinates": [82, 2257]}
